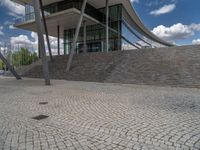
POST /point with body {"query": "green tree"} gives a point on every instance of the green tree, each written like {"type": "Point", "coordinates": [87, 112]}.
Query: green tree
{"type": "Point", "coordinates": [23, 57]}
{"type": "Point", "coordinates": [1, 65]}
{"type": "Point", "coordinates": [20, 58]}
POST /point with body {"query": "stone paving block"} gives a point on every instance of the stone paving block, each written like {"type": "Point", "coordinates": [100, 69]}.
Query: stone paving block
{"type": "Point", "coordinates": [92, 116]}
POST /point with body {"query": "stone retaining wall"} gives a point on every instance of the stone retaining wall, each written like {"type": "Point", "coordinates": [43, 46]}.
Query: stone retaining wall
{"type": "Point", "coordinates": [175, 66]}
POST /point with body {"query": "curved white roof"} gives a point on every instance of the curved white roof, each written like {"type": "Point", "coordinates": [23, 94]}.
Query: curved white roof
{"type": "Point", "coordinates": [129, 8]}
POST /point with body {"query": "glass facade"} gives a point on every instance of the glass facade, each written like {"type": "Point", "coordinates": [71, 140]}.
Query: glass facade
{"type": "Point", "coordinates": [123, 32]}
{"type": "Point", "coordinates": [96, 34]}
{"type": "Point", "coordinates": [132, 38]}
{"type": "Point", "coordinates": [29, 13]}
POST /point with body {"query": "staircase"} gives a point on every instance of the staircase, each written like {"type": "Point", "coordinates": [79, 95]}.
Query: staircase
{"type": "Point", "coordinates": [175, 66]}
{"type": "Point", "coordinates": [92, 67]}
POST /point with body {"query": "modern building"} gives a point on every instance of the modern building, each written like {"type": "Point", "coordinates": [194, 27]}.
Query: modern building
{"type": "Point", "coordinates": [124, 31]}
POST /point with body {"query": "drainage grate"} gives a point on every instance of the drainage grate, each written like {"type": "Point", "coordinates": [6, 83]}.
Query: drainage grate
{"type": "Point", "coordinates": [43, 103]}
{"type": "Point", "coordinates": [40, 117]}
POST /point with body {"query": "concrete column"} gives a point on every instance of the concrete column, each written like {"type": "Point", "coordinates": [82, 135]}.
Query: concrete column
{"type": "Point", "coordinates": [107, 25]}
{"type": "Point", "coordinates": [84, 37]}
{"type": "Point", "coordinates": [76, 35]}
{"type": "Point", "coordinates": [40, 31]}
{"type": "Point", "coordinates": [58, 29]}
{"type": "Point", "coordinates": [46, 30]}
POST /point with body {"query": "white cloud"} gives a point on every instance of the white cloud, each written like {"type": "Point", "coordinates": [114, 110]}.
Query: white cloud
{"type": "Point", "coordinates": [195, 27]}
{"type": "Point", "coordinates": [126, 46]}
{"type": "Point", "coordinates": [3, 49]}
{"type": "Point", "coordinates": [53, 43]}
{"type": "Point", "coordinates": [11, 27]}
{"type": "Point", "coordinates": [196, 42]}
{"type": "Point", "coordinates": [163, 10]}
{"type": "Point", "coordinates": [176, 31]}
{"type": "Point", "coordinates": [134, 1]}
{"type": "Point", "coordinates": [25, 41]}
{"type": "Point", "coordinates": [1, 32]}
{"type": "Point", "coordinates": [8, 23]}
{"type": "Point", "coordinates": [21, 39]}
{"type": "Point", "coordinates": [14, 9]}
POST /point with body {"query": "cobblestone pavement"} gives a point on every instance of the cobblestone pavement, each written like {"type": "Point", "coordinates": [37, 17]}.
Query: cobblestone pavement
{"type": "Point", "coordinates": [94, 116]}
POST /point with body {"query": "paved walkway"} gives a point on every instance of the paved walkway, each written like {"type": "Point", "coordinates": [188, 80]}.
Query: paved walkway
{"type": "Point", "coordinates": [94, 116]}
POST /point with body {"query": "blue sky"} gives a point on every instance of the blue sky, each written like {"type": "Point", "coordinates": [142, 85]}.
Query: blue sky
{"type": "Point", "coordinates": [182, 12]}
{"type": "Point", "coordinates": [176, 21]}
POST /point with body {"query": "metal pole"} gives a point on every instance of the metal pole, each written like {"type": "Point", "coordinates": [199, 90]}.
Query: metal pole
{"type": "Point", "coordinates": [46, 30]}
{"type": "Point", "coordinates": [107, 25]}
{"type": "Point", "coordinates": [58, 29]}
{"type": "Point", "coordinates": [11, 68]}
{"type": "Point", "coordinates": [119, 42]}
{"type": "Point", "coordinates": [84, 37]}
{"type": "Point", "coordinates": [76, 36]}
{"type": "Point", "coordinates": [40, 31]}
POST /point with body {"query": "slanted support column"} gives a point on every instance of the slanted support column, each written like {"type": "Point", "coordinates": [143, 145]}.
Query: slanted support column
{"type": "Point", "coordinates": [39, 49]}
{"type": "Point", "coordinates": [58, 30]}
{"type": "Point", "coordinates": [107, 25]}
{"type": "Point", "coordinates": [46, 30]}
{"type": "Point", "coordinates": [76, 36]}
{"type": "Point", "coordinates": [84, 37]}
{"type": "Point", "coordinates": [11, 68]}
{"type": "Point", "coordinates": [40, 31]}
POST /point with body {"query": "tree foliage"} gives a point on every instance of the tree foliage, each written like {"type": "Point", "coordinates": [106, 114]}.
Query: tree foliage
{"type": "Point", "coordinates": [20, 58]}
{"type": "Point", "coordinates": [1, 65]}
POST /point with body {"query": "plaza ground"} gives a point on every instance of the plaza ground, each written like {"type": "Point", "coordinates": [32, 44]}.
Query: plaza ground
{"type": "Point", "coordinates": [90, 116]}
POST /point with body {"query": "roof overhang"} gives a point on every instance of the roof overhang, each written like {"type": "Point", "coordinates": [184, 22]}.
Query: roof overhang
{"type": "Point", "coordinates": [127, 5]}
{"type": "Point", "coordinates": [95, 3]}
{"type": "Point", "coordinates": [66, 20]}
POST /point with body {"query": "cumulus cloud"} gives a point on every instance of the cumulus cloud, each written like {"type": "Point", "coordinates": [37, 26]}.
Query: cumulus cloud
{"type": "Point", "coordinates": [8, 23]}
{"type": "Point", "coordinates": [195, 27]}
{"type": "Point", "coordinates": [14, 9]}
{"type": "Point", "coordinates": [126, 46]}
{"type": "Point", "coordinates": [53, 43]}
{"type": "Point", "coordinates": [3, 49]}
{"type": "Point", "coordinates": [12, 27]}
{"type": "Point", "coordinates": [135, 1]}
{"type": "Point", "coordinates": [196, 42]}
{"type": "Point", "coordinates": [1, 30]}
{"type": "Point", "coordinates": [32, 43]}
{"type": "Point", "coordinates": [176, 31]}
{"type": "Point", "coordinates": [163, 10]}
{"type": "Point", "coordinates": [21, 39]}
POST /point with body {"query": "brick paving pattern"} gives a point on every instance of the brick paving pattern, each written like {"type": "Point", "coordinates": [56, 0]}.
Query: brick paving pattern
{"type": "Point", "coordinates": [97, 116]}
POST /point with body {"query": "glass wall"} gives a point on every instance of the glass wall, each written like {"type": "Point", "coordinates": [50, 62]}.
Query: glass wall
{"type": "Point", "coordinates": [133, 34]}
{"type": "Point", "coordinates": [29, 13]}
{"type": "Point", "coordinates": [124, 33]}
{"type": "Point", "coordinates": [96, 34]}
